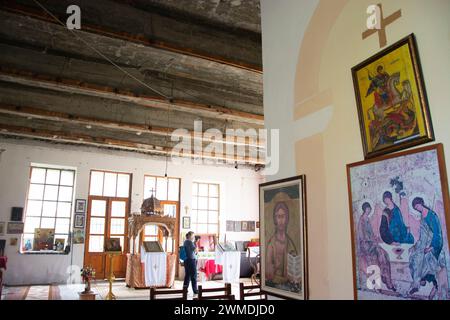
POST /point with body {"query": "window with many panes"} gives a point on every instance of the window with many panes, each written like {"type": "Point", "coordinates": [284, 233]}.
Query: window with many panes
{"type": "Point", "coordinates": [109, 192]}
{"type": "Point", "coordinates": [205, 208]}
{"type": "Point", "coordinates": [49, 204]}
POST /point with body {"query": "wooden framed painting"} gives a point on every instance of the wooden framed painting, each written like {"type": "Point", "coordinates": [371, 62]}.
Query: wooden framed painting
{"type": "Point", "coordinates": [15, 227]}
{"type": "Point", "coordinates": [186, 222]}
{"type": "Point", "coordinates": [230, 226]}
{"type": "Point", "coordinates": [80, 206]}
{"type": "Point", "coordinates": [78, 235]}
{"type": "Point", "coordinates": [391, 100]}
{"type": "Point", "coordinates": [399, 212]}
{"type": "Point", "coordinates": [284, 259]}
{"type": "Point", "coordinates": [79, 220]}
{"type": "Point", "coordinates": [113, 245]}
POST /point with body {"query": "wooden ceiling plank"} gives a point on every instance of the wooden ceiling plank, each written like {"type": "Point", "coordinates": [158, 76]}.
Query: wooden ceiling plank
{"type": "Point", "coordinates": [82, 139]}
{"type": "Point", "coordinates": [26, 111]}
{"type": "Point", "coordinates": [73, 86]}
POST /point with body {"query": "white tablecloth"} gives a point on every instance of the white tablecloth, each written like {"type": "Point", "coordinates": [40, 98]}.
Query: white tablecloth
{"type": "Point", "coordinates": [155, 268]}
{"type": "Point", "coordinates": [231, 263]}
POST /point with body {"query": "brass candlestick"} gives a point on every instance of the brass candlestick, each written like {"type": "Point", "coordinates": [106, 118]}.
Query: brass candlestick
{"type": "Point", "coordinates": [111, 278]}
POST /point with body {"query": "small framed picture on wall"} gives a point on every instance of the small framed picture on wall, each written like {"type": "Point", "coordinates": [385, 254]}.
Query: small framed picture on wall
{"type": "Point", "coordinates": [78, 221]}
{"type": "Point", "coordinates": [186, 222]}
{"type": "Point", "coordinates": [80, 206]}
{"type": "Point", "coordinates": [2, 228]}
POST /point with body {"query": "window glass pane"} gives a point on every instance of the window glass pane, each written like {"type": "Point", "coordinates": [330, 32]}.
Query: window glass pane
{"type": "Point", "coordinates": [202, 216]}
{"type": "Point", "coordinates": [34, 208]}
{"type": "Point", "coordinates": [37, 175]}
{"type": "Point", "coordinates": [118, 208]}
{"type": "Point", "coordinates": [213, 217]}
{"type": "Point", "coordinates": [96, 243]}
{"type": "Point", "coordinates": [117, 226]}
{"type": "Point", "coordinates": [36, 191]}
{"type": "Point", "coordinates": [49, 209]}
{"type": "Point", "coordinates": [52, 176]}
{"type": "Point", "coordinates": [202, 189]}
{"type": "Point", "coordinates": [66, 178]}
{"type": "Point", "coordinates": [195, 189]}
{"type": "Point", "coordinates": [170, 210]}
{"type": "Point", "coordinates": [109, 186]}
{"type": "Point", "coordinates": [194, 227]}
{"type": "Point", "coordinates": [62, 225]}
{"type": "Point", "coordinates": [174, 187]}
{"type": "Point", "coordinates": [31, 223]}
{"type": "Point", "coordinates": [203, 203]}
{"type": "Point", "coordinates": [63, 209]}
{"type": "Point", "coordinates": [213, 228]}
{"type": "Point", "coordinates": [150, 230]}
{"type": "Point", "coordinates": [194, 216]}
{"type": "Point", "coordinates": [96, 187]}
{"type": "Point", "coordinates": [149, 185]}
{"type": "Point", "coordinates": [202, 228]}
{"type": "Point", "coordinates": [213, 204]}
{"type": "Point", "coordinates": [51, 193]}
{"type": "Point", "coordinates": [98, 208]}
{"type": "Point", "coordinates": [97, 226]}
{"type": "Point", "coordinates": [121, 242]}
{"type": "Point", "coordinates": [167, 244]}
{"type": "Point", "coordinates": [27, 243]}
{"type": "Point", "coordinates": [161, 188]}
{"type": "Point", "coordinates": [48, 223]}
{"type": "Point", "coordinates": [194, 202]}
{"type": "Point", "coordinates": [214, 190]}
{"type": "Point", "coordinates": [123, 185]}
{"type": "Point", "coordinates": [65, 194]}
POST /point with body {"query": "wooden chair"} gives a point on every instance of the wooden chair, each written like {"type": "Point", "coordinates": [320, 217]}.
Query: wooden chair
{"type": "Point", "coordinates": [226, 289]}
{"type": "Point", "coordinates": [179, 294]}
{"type": "Point", "coordinates": [251, 291]}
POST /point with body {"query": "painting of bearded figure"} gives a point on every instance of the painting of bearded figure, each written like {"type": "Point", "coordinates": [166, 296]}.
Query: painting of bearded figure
{"type": "Point", "coordinates": [391, 100]}
{"type": "Point", "coordinates": [283, 238]}
{"type": "Point", "coordinates": [399, 210]}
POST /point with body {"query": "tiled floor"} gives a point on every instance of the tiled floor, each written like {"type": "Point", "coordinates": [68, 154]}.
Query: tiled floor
{"type": "Point", "coordinates": [122, 292]}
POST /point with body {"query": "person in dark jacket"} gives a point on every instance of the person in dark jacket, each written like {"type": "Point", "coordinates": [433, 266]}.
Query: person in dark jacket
{"type": "Point", "coordinates": [190, 264]}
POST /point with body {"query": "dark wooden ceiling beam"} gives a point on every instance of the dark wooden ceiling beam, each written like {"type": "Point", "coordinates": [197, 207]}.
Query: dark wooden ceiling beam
{"type": "Point", "coordinates": [32, 112]}
{"type": "Point", "coordinates": [13, 7]}
{"type": "Point", "coordinates": [82, 139]}
{"type": "Point", "coordinates": [78, 87]}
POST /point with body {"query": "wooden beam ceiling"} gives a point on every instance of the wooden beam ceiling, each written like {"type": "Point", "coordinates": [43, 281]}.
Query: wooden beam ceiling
{"type": "Point", "coordinates": [64, 137]}
{"type": "Point", "coordinates": [14, 7]}
{"type": "Point", "coordinates": [75, 86]}
{"type": "Point", "coordinates": [32, 112]}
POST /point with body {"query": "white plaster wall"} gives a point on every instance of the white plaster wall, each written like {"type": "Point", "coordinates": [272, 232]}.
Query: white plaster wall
{"type": "Point", "coordinates": [283, 24]}
{"type": "Point", "coordinates": [239, 195]}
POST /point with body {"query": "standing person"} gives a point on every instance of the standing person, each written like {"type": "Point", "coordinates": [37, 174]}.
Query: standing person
{"type": "Point", "coordinates": [190, 264]}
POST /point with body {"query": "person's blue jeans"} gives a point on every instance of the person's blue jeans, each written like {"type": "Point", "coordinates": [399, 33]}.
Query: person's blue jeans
{"type": "Point", "coordinates": [190, 274]}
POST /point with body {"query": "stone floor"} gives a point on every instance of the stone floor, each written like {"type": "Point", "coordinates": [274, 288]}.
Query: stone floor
{"type": "Point", "coordinates": [122, 292]}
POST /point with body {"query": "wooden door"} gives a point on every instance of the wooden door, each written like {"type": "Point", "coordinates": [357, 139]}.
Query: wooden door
{"type": "Point", "coordinates": [106, 218]}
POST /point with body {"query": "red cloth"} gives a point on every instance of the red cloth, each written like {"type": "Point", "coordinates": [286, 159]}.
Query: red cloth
{"type": "Point", "coordinates": [253, 244]}
{"type": "Point", "coordinates": [3, 261]}
{"type": "Point", "coordinates": [211, 268]}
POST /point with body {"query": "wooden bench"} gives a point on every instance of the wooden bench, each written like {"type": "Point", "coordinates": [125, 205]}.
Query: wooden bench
{"type": "Point", "coordinates": [225, 290]}
{"type": "Point", "coordinates": [179, 294]}
{"type": "Point", "coordinates": [251, 291]}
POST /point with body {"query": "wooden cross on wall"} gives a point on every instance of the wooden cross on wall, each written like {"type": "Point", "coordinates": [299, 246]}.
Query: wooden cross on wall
{"type": "Point", "coordinates": [384, 23]}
